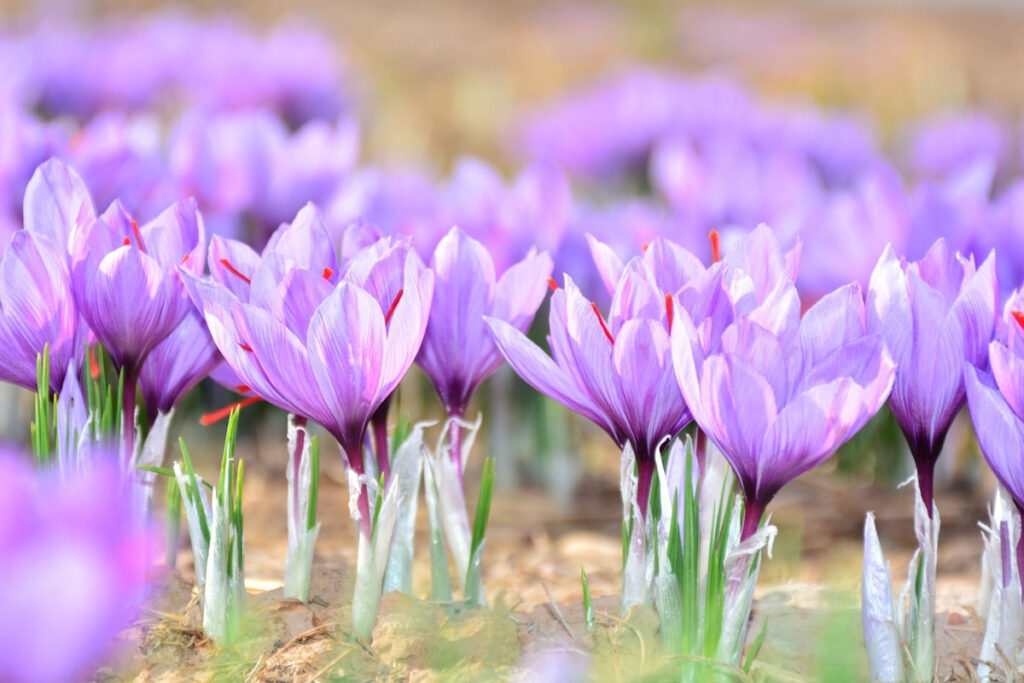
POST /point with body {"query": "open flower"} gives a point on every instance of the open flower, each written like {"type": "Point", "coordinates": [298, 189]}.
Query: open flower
{"type": "Point", "coordinates": [458, 352]}
{"type": "Point", "coordinates": [616, 372]}
{"type": "Point", "coordinates": [312, 342]}
{"type": "Point", "coordinates": [125, 277]}
{"type": "Point", "coordinates": [937, 316]}
{"type": "Point", "coordinates": [781, 394]}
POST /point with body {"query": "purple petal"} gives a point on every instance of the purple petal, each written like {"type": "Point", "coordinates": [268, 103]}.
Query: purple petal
{"type": "Point", "coordinates": [56, 200]}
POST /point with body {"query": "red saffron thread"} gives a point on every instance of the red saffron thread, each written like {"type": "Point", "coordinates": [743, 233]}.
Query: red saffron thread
{"type": "Point", "coordinates": [552, 284]}
{"type": "Point", "coordinates": [668, 310]}
{"type": "Point", "coordinates": [328, 272]}
{"type": "Point", "coordinates": [604, 327]}
{"type": "Point", "coordinates": [218, 415]}
{"type": "Point", "coordinates": [1019, 317]}
{"type": "Point", "coordinates": [394, 305]}
{"type": "Point", "coordinates": [716, 253]}
{"type": "Point", "coordinates": [138, 235]}
{"type": "Point", "coordinates": [234, 271]}
{"type": "Point", "coordinates": [94, 367]}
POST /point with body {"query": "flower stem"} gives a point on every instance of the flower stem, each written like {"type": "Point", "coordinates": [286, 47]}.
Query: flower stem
{"type": "Point", "coordinates": [455, 440]}
{"type": "Point", "coordinates": [131, 381]}
{"type": "Point", "coordinates": [355, 461]}
{"type": "Point", "coordinates": [752, 513]}
{"type": "Point", "coordinates": [379, 424]}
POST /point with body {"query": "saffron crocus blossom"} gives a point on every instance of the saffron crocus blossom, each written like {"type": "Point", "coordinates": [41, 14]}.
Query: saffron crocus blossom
{"type": "Point", "coordinates": [616, 372]}
{"type": "Point", "coordinates": [937, 315]}
{"type": "Point", "coordinates": [783, 393]}
{"type": "Point", "coordinates": [312, 342]}
{"type": "Point", "coordinates": [127, 286]}
{"type": "Point", "coordinates": [458, 351]}
{"type": "Point", "coordinates": [73, 566]}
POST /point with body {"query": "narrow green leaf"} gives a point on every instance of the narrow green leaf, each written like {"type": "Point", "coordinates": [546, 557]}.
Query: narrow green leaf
{"type": "Point", "coordinates": [193, 491]}
{"type": "Point", "coordinates": [314, 483]}
{"type": "Point", "coordinates": [483, 505]}
{"type": "Point", "coordinates": [588, 604]}
{"type": "Point", "coordinates": [755, 647]}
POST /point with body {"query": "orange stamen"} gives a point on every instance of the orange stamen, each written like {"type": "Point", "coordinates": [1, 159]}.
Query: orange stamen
{"type": "Point", "coordinates": [394, 305]}
{"type": "Point", "coordinates": [234, 271]}
{"type": "Point", "coordinates": [668, 310]}
{"type": "Point", "coordinates": [716, 253]}
{"type": "Point", "coordinates": [328, 272]}
{"type": "Point", "coordinates": [218, 415]}
{"type": "Point", "coordinates": [138, 235]}
{"type": "Point", "coordinates": [94, 366]}
{"type": "Point", "coordinates": [604, 327]}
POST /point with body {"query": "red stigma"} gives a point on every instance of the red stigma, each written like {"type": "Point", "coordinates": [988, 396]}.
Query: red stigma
{"type": "Point", "coordinates": [218, 415]}
{"type": "Point", "coordinates": [234, 271]}
{"type": "Point", "coordinates": [394, 305]}
{"type": "Point", "coordinates": [328, 272]}
{"type": "Point", "coordinates": [552, 284]}
{"type": "Point", "coordinates": [646, 245]}
{"type": "Point", "coordinates": [243, 388]}
{"type": "Point", "coordinates": [668, 310]}
{"type": "Point", "coordinates": [94, 367]}
{"type": "Point", "coordinates": [604, 327]}
{"type": "Point", "coordinates": [127, 241]}
{"type": "Point", "coordinates": [716, 253]}
{"type": "Point", "coordinates": [245, 347]}
{"type": "Point", "coordinates": [1019, 317]}
{"type": "Point", "coordinates": [138, 235]}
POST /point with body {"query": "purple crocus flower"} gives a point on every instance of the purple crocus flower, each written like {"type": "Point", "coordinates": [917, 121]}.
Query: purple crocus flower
{"type": "Point", "coordinates": [36, 307]}
{"type": "Point", "coordinates": [312, 342]}
{"type": "Point", "coordinates": [995, 398]}
{"type": "Point", "coordinates": [73, 566]}
{"type": "Point", "coordinates": [782, 393]}
{"type": "Point", "coordinates": [458, 352]}
{"type": "Point", "coordinates": [126, 285]}
{"type": "Point", "coordinates": [616, 372]}
{"type": "Point", "coordinates": [937, 315]}
{"type": "Point", "coordinates": [126, 281]}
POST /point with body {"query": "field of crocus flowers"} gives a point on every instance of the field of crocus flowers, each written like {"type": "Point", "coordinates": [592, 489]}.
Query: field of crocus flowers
{"type": "Point", "coordinates": [541, 341]}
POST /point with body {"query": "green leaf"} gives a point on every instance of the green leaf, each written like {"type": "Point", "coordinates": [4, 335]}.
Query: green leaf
{"type": "Point", "coordinates": [314, 483]}
{"type": "Point", "coordinates": [755, 647]}
{"type": "Point", "coordinates": [193, 491]}
{"type": "Point", "coordinates": [588, 604]}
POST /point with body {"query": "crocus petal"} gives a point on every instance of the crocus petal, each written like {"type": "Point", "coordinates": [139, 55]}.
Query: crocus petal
{"type": "Point", "coordinates": [888, 308]}
{"type": "Point", "coordinates": [305, 241]}
{"type": "Point", "coordinates": [739, 407]}
{"type": "Point", "coordinates": [539, 371]}
{"type": "Point", "coordinates": [242, 260]}
{"type": "Point", "coordinates": [176, 237]}
{"type": "Point", "coordinates": [1000, 433]}
{"type": "Point", "coordinates": [609, 265]}
{"type": "Point", "coordinates": [56, 200]}
{"type": "Point", "coordinates": [408, 325]}
{"type": "Point", "coordinates": [345, 344]}
{"type": "Point", "coordinates": [1008, 371]}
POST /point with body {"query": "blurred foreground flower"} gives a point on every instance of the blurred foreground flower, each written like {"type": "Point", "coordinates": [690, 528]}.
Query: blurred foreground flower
{"type": "Point", "coordinates": [73, 566]}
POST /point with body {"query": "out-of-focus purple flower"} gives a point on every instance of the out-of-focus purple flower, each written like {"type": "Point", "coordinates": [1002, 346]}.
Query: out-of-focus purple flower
{"type": "Point", "coordinates": [73, 567]}
{"type": "Point", "coordinates": [778, 402]}
{"type": "Point", "coordinates": [617, 372]}
{"type": "Point", "coordinates": [937, 315]}
{"type": "Point", "coordinates": [945, 145]}
{"type": "Point", "coordinates": [458, 351]}
{"type": "Point", "coordinates": [248, 166]}
{"type": "Point", "coordinates": [126, 282]}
